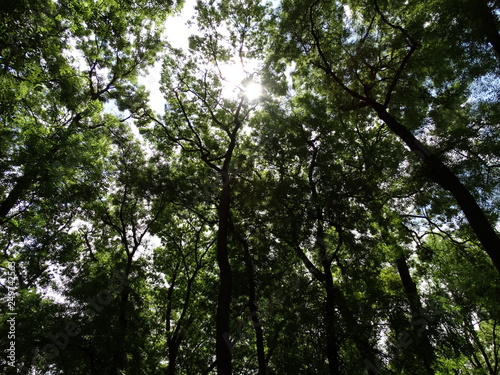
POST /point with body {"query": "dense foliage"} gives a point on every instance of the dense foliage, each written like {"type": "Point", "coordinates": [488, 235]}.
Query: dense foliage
{"type": "Point", "coordinates": [344, 221]}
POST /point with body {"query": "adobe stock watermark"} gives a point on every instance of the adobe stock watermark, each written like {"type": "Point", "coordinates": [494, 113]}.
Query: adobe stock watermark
{"type": "Point", "coordinates": [11, 313]}
{"type": "Point", "coordinates": [60, 340]}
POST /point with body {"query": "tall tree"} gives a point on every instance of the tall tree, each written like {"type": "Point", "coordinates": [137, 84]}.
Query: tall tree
{"type": "Point", "coordinates": [289, 232]}
{"type": "Point", "coordinates": [369, 56]}
{"type": "Point", "coordinates": [206, 116]}
{"type": "Point", "coordinates": [61, 61]}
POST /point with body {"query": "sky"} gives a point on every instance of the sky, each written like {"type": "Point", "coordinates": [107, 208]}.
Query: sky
{"type": "Point", "coordinates": [177, 33]}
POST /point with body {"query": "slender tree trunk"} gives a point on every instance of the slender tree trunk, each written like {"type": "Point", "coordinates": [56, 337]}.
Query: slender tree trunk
{"type": "Point", "coordinates": [119, 354]}
{"type": "Point", "coordinates": [175, 338]}
{"type": "Point", "coordinates": [332, 347]}
{"type": "Point", "coordinates": [450, 182]}
{"type": "Point", "coordinates": [209, 368]}
{"type": "Point", "coordinates": [422, 347]}
{"type": "Point", "coordinates": [372, 364]}
{"type": "Point", "coordinates": [223, 344]}
{"type": "Point", "coordinates": [252, 306]}
{"type": "Point", "coordinates": [173, 341]}
{"type": "Point", "coordinates": [360, 336]}
{"type": "Point", "coordinates": [259, 336]}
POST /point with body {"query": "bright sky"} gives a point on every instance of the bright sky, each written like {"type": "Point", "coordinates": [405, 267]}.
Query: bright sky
{"type": "Point", "coordinates": [177, 33]}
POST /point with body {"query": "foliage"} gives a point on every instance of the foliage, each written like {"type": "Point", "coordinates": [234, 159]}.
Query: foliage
{"type": "Point", "coordinates": [289, 233]}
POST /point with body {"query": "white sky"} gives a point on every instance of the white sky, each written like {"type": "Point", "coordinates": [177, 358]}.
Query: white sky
{"type": "Point", "coordinates": [177, 33]}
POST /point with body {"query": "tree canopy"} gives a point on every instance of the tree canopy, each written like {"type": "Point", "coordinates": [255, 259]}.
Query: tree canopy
{"type": "Point", "coordinates": [319, 195]}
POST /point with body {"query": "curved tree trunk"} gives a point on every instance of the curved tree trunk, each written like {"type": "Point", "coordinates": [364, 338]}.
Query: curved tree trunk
{"type": "Point", "coordinates": [441, 173]}
{"type": "Point", "coordinates": [450, 182]}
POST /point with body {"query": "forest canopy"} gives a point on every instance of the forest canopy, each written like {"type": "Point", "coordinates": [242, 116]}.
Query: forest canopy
{"type": "Point", "coordinates": [320, 193]}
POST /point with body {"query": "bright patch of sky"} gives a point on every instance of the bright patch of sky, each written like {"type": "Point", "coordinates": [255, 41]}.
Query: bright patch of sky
{"type": "Point", "coordinates": [486, 89]}
{"type": "Point", "coordinates": [177, 30]}
{"type": "Point", "coordinates": [176, 33]}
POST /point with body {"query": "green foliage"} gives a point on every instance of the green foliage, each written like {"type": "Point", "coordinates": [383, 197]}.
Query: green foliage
{"type": "Point", "coordinates": [344, 254]}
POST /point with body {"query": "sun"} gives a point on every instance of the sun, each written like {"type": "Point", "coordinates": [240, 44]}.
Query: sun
{"type": "Point", "coordinates": [240, 82]}
{"type": "Point", "coordinates": [252, 91]}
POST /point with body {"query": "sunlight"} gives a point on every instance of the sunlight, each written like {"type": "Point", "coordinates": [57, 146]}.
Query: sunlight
{"type": "Point", "coordinates": [253, 91]}
{"type": "Point", "coordinates": [239, 82]}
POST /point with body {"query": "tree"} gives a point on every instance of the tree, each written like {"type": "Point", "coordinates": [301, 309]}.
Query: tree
{"type": "Point", "coordinates": [61, 61]}
{"type": "Point", "coordinates": [285, 233]}
{"type": "Point", "coordinates": [186, 299]}
{"type": "Point", "coordinates": [380, 55]}
{"type": "Point", "coordinates": [207, 123]}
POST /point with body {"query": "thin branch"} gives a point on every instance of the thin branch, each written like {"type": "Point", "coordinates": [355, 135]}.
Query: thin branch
{"type": "Point", "coordinates": [327, 67]}
{"type": "Point", "coordinates": [413, 47]}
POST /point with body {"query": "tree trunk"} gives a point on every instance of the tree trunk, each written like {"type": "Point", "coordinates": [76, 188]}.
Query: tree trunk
{"type": "Point", "coordinates": [337, 300]}
{"type": "Point", "coordinates": [359, 335]}
{"type": "Point", "coordinates": [223, 345]}
{"type": "Point", "coordinates": [422, 347]}
{"type": "Point", "coordinates": [252, 306]}
{"type": "Point", "coordinates": [119, 353]}
{"type": "Point", "coordinates": [22, 184]}
{"type": "Point", "coordinates": [173, 350]}
{"type": "Point", "coordinates": [332, 347]}
{"type": "Point", "coordinates": [450, 182]}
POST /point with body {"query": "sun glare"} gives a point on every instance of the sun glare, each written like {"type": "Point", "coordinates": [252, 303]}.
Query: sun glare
{"type": "Point", "coordinates": [253, 91]}
{"type": "Point", "coordinates": [239, 82]}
